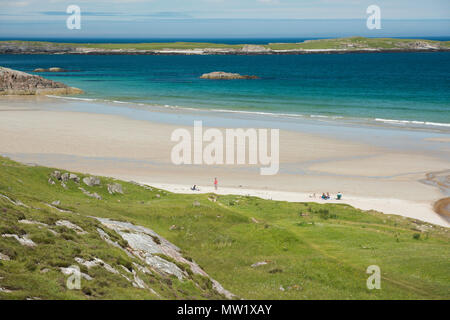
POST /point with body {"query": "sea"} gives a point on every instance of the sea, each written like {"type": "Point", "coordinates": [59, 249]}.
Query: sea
{"type": "Point", "coordinates": [410, 90]}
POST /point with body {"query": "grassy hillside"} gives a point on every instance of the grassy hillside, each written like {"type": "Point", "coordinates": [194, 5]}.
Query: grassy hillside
{"type": "Point", "coordinates": [353, 43]}
{"type": "Point", "coordinates": [312, 251]}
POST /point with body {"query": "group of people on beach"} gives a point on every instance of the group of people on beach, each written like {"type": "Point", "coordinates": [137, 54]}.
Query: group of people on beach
{"type": "Point", "coordinates": [326, 196]}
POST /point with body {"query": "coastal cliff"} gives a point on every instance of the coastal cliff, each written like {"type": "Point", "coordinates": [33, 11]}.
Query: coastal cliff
{"type": "Point", "coordinates": [13, 82]}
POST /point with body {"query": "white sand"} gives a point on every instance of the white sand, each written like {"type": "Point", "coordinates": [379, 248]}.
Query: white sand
{"type": "Point", "coordinates": [370, 177]}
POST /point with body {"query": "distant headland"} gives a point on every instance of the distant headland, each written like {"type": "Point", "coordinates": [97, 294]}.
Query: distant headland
{"type": "Point", "coordinates": [324, 46]}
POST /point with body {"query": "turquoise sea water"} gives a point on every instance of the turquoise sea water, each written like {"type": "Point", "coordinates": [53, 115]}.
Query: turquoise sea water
{"type": "Point", "coordinates": [393, 88]}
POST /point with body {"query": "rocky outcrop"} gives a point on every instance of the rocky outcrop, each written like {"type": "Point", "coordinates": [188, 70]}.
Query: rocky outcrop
{"type": "Point", "coordinates": [13, 82]}
{"type": "Point", "coordinates": [158, 253]}
{"type": "Point", "coordinates": [115, 188]}
{"type": "Point", "coordinates": [220, 75]}
{"type": "Point", "coordinates": [52, 69]}
{"type": "Point", "coordinates": [91, 181]}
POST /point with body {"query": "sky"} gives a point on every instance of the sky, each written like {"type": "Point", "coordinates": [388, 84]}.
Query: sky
{"type": "Point", "coordinates": [222, 18]}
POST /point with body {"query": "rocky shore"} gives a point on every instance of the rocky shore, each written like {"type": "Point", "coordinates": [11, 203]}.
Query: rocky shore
{"type": "Point", "coordinates": [13, 82]}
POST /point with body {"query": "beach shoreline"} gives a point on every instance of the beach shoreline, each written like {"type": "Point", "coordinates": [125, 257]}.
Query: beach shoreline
{"type": "Point", "coordinates": [371, 177]}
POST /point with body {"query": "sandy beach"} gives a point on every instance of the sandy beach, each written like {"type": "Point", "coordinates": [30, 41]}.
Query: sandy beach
{"type": "Point", "coordinates": [370, 177]}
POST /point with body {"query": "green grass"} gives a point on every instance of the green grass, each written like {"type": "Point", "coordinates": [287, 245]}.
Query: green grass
{"type": "Point", "coordinates": [355, 43]}
{"type": "Point", "coordinates": [352, 43]}
{"type": "Point", "coordinates": [314, 251]}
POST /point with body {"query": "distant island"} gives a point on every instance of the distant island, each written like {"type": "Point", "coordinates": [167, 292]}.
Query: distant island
{"type": "Point", "coordinates": [341, 45]}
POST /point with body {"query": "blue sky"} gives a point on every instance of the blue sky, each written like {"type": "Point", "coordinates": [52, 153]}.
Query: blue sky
{"type": "Point", "coordinates": [223, 18]}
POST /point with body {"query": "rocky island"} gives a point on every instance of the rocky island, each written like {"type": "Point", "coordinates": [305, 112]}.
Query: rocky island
{"type": "Point", "coordinates": [321, 46]}
{"type": "Point", "coordinates": [13, 82]}
{"type": "Point", "coordinates": [220, 75]}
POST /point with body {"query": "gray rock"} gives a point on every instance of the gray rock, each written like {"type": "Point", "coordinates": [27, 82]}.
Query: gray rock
{"type": "Point", "coordinates": [74, 178]}
{"type": "Point", "coordinates": [115, 188]}
{"type": "Point", "coordinates": [56, 174]}
{"type": "Point", "coordinates": [56, 203]}
{"type": "Point", "coordinates": [142, 245]}
{"type": "Point", "coordinates": [23, 240]}
{"type": "Point", "coordinates": [91, 181]}
{"type": "Point", "coordinates": [50, 181]}
{"type": "Point", "coordinates": [70, 225]}
{"type": "Point", "coordinates": [220, 75]}
{"type": "Point", "coordinates": [52, 69]}
{"type": "Point", "coordinates": [258, 264]}
{"type": "Point", "coordinates": [92, 195]}
{"type": "Point", "coordinates": [4, 257]}
{"type": "Point", "coordinates": [13, 82]}
{"type": "Point", "coordinates": [57, 69]}
{"type": "Point", "coordinates": [65, 177]}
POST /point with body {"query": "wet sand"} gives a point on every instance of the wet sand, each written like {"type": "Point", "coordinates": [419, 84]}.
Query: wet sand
{"type": "Point", "coordinates": [370, 176]}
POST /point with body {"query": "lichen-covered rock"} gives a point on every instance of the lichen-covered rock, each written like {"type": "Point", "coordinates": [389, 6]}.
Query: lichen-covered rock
{"type": "Point", "coordinates": [13, 82]}
{"type": "Point", "coordinates": [74, 178]}
{"type": "Point", "coordinates": [115, 188]}
{"type": "Point", "coordinates": [23, 240]}
{"type": "Point", "coordinates": [91, 181]}
{"type": "Point", "coordinates": [65, 177]}
{"type": "Point", "coordinates": [151, 248]}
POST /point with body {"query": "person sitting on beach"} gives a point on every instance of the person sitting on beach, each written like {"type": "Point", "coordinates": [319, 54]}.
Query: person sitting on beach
{"type": "Point", "coordinates": [194, 188]}
{"type": "Point", "coordinates": [324, 197]}
{"type": "Point", "coordinates": [339, 196]}
{"type": "Point", "coordinates": [328, 196]}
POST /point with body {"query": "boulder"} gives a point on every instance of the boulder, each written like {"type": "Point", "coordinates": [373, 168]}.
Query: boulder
{"type": "Point", "coordinates": [91, 181]}
{"type": "Point", "coordinates": [4, 257]}
{"type": "Point", "coordinates": [52, 69]}
{"type": "Point", "coordinates": [13, 82]}
{"type": "Point", "coordinates": [115, 188]}
{"type": "Point", "coordinates": [74, 177]}
{"type": "Point", "coordinates": [56, 174]}
{"type": "Point", "coordinates": [56, 69]}
{"type": "Point", "coordinates": [220, 75]}
{"type": "Point", "coordinates": [65, 177]}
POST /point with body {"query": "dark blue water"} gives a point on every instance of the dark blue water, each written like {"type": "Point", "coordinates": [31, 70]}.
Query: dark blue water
{"type": "Point", "coordinates": [397, 86]}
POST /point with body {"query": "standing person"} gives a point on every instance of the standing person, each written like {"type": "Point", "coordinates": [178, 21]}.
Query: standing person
{"type": "Point", "coordinates": [215, 183]}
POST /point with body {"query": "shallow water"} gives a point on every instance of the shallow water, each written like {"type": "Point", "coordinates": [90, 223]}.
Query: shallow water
{"type": "Point", "coordinates": [397, 89]}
